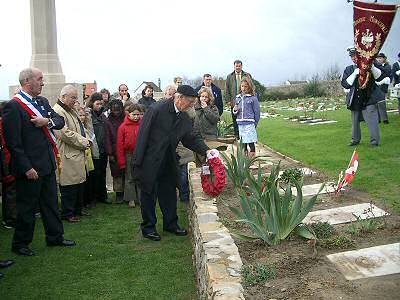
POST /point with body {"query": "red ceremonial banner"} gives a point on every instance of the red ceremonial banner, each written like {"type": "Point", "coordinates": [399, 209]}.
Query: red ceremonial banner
{"type": "Point", "coordinates": [372, 22]}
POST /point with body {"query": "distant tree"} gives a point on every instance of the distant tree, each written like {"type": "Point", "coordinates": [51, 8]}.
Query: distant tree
{"type": "Point", "coordinates": [260, 89]}
{"type": "Point", "coordinates": [314, 87]}
{"type": "Point", "coordinates": [219, 77]}
{"type": "Point", "coordinates": [332, 73]}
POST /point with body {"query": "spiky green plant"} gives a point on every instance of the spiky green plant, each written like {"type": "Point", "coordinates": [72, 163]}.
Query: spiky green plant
{"type": "Point", "coordinates": [272, 215]}
{"type": "Point", "coordinates": [237, 165]}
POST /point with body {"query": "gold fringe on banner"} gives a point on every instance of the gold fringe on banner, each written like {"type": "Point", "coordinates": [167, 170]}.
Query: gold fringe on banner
{"type": "Point", "coordinates": [377, 10]}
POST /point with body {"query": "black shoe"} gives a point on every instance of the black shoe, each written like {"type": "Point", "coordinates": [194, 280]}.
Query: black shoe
{"type": "Point", "coordinates": [177, 231]}
{"type": "Point", "coordinates": [154, 236]}
{"type": "Point", "coordinates": [353, 143]}
{"type": "Point", "coordinates": [23, 251]}
{"type": "Point", "coordinates": [71, 219]}
{"type": "Point", "coordinates": [374, 145]}
{"type": "Point", "coordinates": [6, 263]}
{"type": "Point", "coordinates": [90, 205]}
{"type": "Point", "coordinates": [8, 225]}
{"type": "Point", "coordinates": [386, 122]}
{"type": "Point", "coordinates": [63, 243]}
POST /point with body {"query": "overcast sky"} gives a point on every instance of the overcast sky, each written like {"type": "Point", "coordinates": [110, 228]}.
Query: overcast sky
{"type": "Point", "coordinates": [134, 41]}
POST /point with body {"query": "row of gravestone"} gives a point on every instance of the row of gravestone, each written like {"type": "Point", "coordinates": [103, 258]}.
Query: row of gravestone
{"type": "Point", "coordinates": [362, 263]}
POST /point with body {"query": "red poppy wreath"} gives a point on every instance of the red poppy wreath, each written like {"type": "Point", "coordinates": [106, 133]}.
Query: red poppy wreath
{"type": "Point", "coordinates": [216, 170]}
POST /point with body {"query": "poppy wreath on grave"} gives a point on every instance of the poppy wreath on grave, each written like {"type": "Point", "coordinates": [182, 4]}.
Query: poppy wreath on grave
{"type": "Point", "coordinates": [216, 170]}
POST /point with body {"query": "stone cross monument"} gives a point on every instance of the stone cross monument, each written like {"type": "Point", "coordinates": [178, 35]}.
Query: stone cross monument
{"type": "Point", "coordinates": [44, 50]}
{"type": "Point", "coordinates": [44, 40]}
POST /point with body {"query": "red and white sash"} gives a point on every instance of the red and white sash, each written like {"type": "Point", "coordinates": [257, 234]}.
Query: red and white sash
{"type": "Point", "coordinates": [33, 112]}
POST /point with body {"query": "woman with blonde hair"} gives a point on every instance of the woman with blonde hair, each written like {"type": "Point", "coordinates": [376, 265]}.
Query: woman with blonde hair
{"type": "Point", "coordinates": [207, 115]}
{"type": "Point", "coordinates": [247, 111]}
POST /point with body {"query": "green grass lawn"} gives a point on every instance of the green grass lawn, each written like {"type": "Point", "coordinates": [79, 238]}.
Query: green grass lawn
{"type": "Point", "coordinates": [111, 261]}
{"type": "Point", "coordinates": [325, 147]}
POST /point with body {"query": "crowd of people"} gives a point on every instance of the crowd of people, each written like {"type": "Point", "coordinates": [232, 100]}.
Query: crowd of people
{"type": "Point", "coordinates": [65, 150]}
{"type": "Point", "coordinates": [147, 145]}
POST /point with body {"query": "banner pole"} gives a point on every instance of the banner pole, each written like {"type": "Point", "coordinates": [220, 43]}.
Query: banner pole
{"type": "Point", "coordinates": [354, 152]}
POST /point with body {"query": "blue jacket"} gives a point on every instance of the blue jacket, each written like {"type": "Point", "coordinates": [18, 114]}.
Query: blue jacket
{"type": "Point", "coordinates": [217, 96]}
{"type": "Point", "coordinates": [248, 109]}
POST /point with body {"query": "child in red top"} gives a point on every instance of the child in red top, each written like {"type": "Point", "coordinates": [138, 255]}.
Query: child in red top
{"type": "Point", "coordinates": [126, 144]}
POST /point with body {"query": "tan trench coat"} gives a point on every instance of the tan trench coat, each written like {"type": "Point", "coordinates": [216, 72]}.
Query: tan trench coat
{"type": "Point", "coordinates": [71, 145]}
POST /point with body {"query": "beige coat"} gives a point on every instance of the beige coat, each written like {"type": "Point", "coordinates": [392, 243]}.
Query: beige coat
{"type": "Point", "coordinates": [71, 145]}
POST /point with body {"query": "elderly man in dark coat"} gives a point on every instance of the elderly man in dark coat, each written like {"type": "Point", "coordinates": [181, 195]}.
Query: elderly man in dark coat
{"type": "Point", "coordinates": [164, 125]}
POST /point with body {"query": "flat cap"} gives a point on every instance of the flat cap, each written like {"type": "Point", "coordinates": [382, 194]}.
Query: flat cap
{"type": "Point", "coordinates": [186, 90]}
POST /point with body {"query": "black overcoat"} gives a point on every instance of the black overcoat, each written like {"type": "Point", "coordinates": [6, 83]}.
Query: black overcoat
{"type": "Point", "coordinates": [386, 72]}
{"type": "Point", "coordinates": [395, 68]}
{"type": "Point", "coordinates": [370, 96]}
{"type": "Point", "coordinates": [160, 132]}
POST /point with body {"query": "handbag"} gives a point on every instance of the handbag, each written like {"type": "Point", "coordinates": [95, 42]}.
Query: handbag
{"type": "Point", "coordinates": [88, 153]}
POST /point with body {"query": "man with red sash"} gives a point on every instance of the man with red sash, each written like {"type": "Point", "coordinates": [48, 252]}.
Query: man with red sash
{"type": "Point", "coordinates": [28, 121]}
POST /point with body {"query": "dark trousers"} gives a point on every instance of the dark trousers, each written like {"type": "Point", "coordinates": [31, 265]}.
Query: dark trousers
{"type": "Point", "coordinates": [370, 115]}
{"type": "Point", "coordinates": [184, 191]}
{"type": "Point", "coordinates": [88, 194]}
{"type": "Point", "coordinates": [30, 195]}
{"type": "Point", "coordinates": [9, 203]}
{"type": "Point", "coordinates": [99, 180]}
{"type": "Point", "coordinates": [166, 193]}
{"type": "Point", "coordinates": [235, 125]}
{"type": "Point", "coordinates": [382, 111]}
{"type": "Point", "coordinates": [71, 200]}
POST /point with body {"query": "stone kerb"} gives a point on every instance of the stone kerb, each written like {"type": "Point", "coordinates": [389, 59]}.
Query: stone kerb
{"type": "Point", "coordinates": [216, 256]}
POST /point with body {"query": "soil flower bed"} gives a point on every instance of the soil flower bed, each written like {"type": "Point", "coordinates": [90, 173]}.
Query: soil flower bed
{"type": "Point", "coordinates": [298, 268]}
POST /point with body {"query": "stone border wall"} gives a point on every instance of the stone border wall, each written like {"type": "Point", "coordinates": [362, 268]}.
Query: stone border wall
{"type": "Point", "coordinates": [216, 256]}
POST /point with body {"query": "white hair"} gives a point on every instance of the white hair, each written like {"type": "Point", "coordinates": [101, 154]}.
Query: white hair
{"type": "Point", "coordinates": [171, 86]}
{"type": "Point", "coordinates": [24, 75]}
{"type": "Point", "coordinates": [67, 89]}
